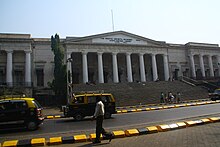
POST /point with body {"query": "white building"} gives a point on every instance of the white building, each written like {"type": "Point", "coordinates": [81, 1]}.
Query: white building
{"type": "Point", "coordinates": [105, 58]}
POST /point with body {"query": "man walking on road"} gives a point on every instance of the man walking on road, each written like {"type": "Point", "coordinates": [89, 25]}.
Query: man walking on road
{"type": "Point", "coordinates": [99, 115]}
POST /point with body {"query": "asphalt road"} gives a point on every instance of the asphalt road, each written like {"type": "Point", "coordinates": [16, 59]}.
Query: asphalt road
{"type": "Point", "coordinates": [57, 127]}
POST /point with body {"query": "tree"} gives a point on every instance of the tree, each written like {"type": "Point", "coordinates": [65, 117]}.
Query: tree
{"type": "Point", "coordinates": [59, 83]}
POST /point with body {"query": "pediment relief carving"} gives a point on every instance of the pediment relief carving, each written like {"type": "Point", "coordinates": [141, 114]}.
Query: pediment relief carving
{"type": "Point", "coordinates": [119, 37]}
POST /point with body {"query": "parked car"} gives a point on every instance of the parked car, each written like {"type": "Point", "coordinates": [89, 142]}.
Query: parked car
{"type": "Point", "coordinates": [84, 105]}
{"type": "Point", "coordinates": [215, 95]}
{"type": "Point", "coordinates": [24, 111]}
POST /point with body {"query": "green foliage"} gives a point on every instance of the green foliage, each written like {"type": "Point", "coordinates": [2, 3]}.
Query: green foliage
{"type": "Point", "coordinates": [59, 83]}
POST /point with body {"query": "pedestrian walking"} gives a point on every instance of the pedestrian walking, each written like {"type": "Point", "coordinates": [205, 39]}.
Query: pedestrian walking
{"type": "Point", "coordinates": [99, 116]}
{"type": "Point", "coordinates": [161, 97]}
{"type": "Point", "coordinates": [178, 97]}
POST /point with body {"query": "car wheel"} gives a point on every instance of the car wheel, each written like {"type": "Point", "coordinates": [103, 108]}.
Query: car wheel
{"type": "Point", "coordinates": [31, 125]}
{"type": "Point", "coordinates": [78, 117]}
{"type": "Point", "coordinates": [108, 115]}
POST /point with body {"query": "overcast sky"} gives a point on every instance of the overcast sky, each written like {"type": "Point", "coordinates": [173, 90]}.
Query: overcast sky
{"type": "Point", "coordinates": [173, 21]}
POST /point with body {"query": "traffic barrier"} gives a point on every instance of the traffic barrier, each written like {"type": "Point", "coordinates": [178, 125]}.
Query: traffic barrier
{"type": "Point", "coordinates": [57, 116]}
{"type": "Point", "coordinates": [93, 136]}
{"type": "Point", "coordinates": [124, 111]}
{"type": "Point", "coordinates": [55, 141]}
{"type": "Point", "coordinates": [187, 105]}
{"type": "Point", "coordinates": [131, 132]}
{"type": "Point", "coordinates": [118, 111]}
{"type": "Point", "coordinates": [68, 140]}
{"type": "Point", "coordinates": [160, 108]}
{"type": "Point", "coordinates": [190, 123]}
{"type": "Point", "coordinates": [173, 126]}
{"type": "Point", "coordinates": [152, 108]}
{"type": "Point", "coordinates": [11, 143]}
{"type": "Point", "coordinates": [138, 110]}
{"type": "Point", "coordinates": [118, 134]}
{"type": "Point", "coordinates": [80, 138]}
{"type": "Point", "coordinates": [163, 128]}
{"type": "Point", "coordinates": [25, 142]}
{"type": "Point", "coordinates": [38, 142]}
{"type": "Point", "coordinates": [206, 120]}
{"type": "Point", "coordinates": [181, 124]}
{"type": "Point", "coordinates": [172, 106]}
{"type": "Point", "coordinates": [214, 119]}
{"type": "Point", "coordinates": [143, 131]}
{"type": "Point", "coordinates": [49, 117]}
{"type": "Point", "coordinates": [152, 129]}
{"type": "Point", "coordinates": [199, 122]}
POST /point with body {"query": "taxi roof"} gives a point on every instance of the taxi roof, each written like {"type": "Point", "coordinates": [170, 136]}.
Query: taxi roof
{"type": "Point", "coordinates": [92, 94]}
{"type": "Point", "coordinates": [16, 98]}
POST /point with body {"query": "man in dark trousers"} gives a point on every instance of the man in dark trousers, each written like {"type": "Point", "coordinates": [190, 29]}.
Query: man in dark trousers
{"type": "Point", "coordinates": [99, 115]}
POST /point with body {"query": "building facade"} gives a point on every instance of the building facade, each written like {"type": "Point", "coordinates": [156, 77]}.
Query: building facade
{"type": "Point", "coordinates": [104, 58]}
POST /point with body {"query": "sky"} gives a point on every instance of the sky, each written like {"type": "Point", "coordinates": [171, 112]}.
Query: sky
{"type": "Point", "coordinates": [172, 21]}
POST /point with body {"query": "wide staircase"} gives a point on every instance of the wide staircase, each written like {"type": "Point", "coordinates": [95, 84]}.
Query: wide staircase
{"type": "Point", "coordinates": [145, 93]}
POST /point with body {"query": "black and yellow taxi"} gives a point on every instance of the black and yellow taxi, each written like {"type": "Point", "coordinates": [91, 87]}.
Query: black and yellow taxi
{"type": "Point", "coordinates": [215, 95]}
{"type": "Point", "coordinates": [24, 111]}
{"type": "Point", "coordinates": [82, 105]}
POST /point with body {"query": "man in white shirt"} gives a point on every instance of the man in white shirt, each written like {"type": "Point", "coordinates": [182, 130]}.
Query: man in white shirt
{"type": "Point", "coordinates": [99, 115]}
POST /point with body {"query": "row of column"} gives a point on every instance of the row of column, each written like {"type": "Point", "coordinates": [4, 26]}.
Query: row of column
{"type": "Point", "coordinates": [129, 67]}
{"type": "Point", "coordinates": [9, 67]}
{"type": "Point", "coordinates": [201, 62]}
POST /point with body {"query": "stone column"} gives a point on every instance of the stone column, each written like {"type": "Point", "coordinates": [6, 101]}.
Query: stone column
{"type": "Point", "coordinates": [9, 78]}
{"type": "Point", "coordinates": [85, 67]}
{"type": "Point", "coordinates": [192, 66]}
{"type": "Point", "coordinates": [69, 66]}
{"type": "Point", "coordinates": [218, 60]}
{"type": "Point", "coordinates": [28, 68]}
{"type": "Point", "coordinates": [154, 67]}
{"type": "Point", "coordinates": [211, 66]}
{"type": "Point", "coordinates": [100, 68]}
{"type": "Point", "coordinates": [129, 68]}
{"type": "Point", "coordinates": [142, 67]}
{"type": "Point", "coordinates": [166, 67]}
{"type": "Point", "coordinates": [69, 76]}
{"type": "Point", "coordinates": [115, 68]}
{"type": "Point", "coordinates": [202, 65]}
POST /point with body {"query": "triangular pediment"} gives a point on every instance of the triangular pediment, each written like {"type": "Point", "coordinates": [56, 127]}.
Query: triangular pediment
{"type": "Point", "coordinates": [118, 37]}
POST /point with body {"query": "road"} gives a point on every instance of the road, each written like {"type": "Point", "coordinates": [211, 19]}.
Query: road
{"type": "Point", "coordinates": [55, 127]}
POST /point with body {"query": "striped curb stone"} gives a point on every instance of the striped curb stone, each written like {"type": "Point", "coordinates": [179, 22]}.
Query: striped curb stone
{"type": "Point", "coordinates": [131, 132]}
{"type": "Point", "coordinates": [80, 138]}
{"type": "Point", "coordinates": [116, 134]}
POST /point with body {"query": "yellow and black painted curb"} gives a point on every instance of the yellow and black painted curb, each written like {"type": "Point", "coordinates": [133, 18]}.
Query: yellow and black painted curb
{"type": "Point", "coordinates": [145, 108]}
{"type": "Point", "coordinates": [140, 108]}
{"type": "Point", "coordinates": [116, 134]}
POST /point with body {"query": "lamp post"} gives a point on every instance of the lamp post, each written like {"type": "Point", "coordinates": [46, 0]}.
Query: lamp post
{"type": "Point", "coordinates": [69, 80]}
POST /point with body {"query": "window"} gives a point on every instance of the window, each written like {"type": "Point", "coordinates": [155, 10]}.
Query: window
{"type": "Point", "coordinates": [2, 77]}
{"type": "Point", "coordinates": [18, 77]}
{"type": "Point", "coordinates": [91, 99]}
{"type": "Point", "coordinates": [106, 98]}
{"type": "Point", "coordinates": [79, 99]}
{"type": "Point", "coordinates": [40, 77]}
{"type": "Point", "coordinates": [19, 104]}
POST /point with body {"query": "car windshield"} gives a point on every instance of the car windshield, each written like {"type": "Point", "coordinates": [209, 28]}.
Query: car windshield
{"type": "Point", "coordinates": [36, 104]}
{"type": "Point", "coordinates": [217, 91]}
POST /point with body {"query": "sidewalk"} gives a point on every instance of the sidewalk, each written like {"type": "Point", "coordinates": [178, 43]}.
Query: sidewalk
{"type": "Point", "coordinates": [198, 136]}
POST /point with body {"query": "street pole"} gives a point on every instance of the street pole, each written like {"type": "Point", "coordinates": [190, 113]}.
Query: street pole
{"type": "Point", "coordinates": [69, 80]}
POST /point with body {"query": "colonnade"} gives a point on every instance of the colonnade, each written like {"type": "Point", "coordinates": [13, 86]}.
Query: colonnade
{"type": "Point", "coordinates": [128, 66]}
{"type": "Point", "coordinates": [201, 64]}
{"type": "Point", "coordinates": [9, 68]}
